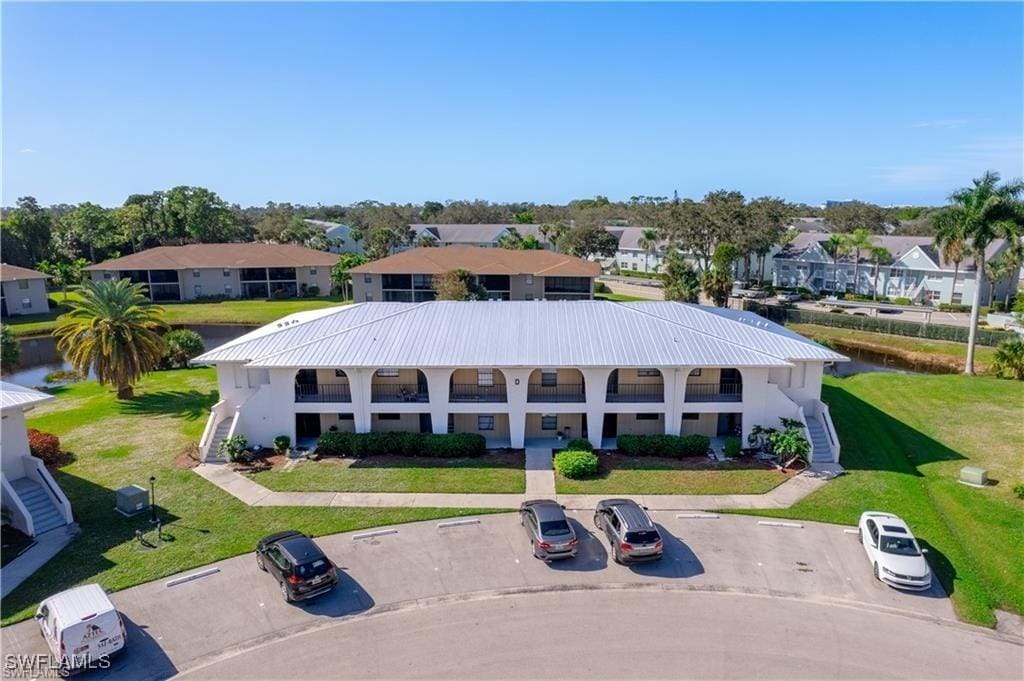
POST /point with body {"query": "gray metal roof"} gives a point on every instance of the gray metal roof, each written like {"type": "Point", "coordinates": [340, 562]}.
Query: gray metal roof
{"type": "Point", "coordinates": [14, 395]}
{"type": "Point", "coordinates": [519, 334]}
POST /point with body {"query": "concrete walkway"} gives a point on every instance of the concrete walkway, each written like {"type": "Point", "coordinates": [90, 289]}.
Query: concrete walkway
{"type": "Point", "coordinates": [540, 478]}
{"type": "Point", "coordinates": [254, 494]}
{"type": "Point", "coordinates": [46, 546]}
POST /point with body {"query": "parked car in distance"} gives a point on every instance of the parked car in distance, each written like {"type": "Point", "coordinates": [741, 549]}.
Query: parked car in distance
{"type": "Point", "coordinates": [550, 533]}
{"type": "Point", "coordinates": [789, 297]}
{"type": "Point", "coordinates": [895, 556]}
{"type": "Point", "coordinates": [81, 627]}
{"type": "Point", "coordinates": [632, 534]}
{"type": "Point", "coordinates": [297, 563]}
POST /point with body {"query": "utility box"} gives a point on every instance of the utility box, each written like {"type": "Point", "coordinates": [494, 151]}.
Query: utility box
{"type": "Point", "coordinates": [973, 475]}
{"type": "Point", "coordinates": [132, 499]}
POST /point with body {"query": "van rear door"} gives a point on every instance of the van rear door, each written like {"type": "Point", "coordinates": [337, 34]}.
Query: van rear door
{"type": "Point", "coordinates": [94, 637]}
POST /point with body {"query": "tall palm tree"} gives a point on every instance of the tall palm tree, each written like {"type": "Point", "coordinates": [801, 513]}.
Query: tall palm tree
{"type": "Point", "coordinates": [861, 240]}
{"type": "Point", "coordinates": [835, 246]}
{"type": "Point", "coordinates": [951, 242]}
{"type": "Point", "coordinates": [982, 213]}
{"type": "Point", "coordinates": [115, 331]}
{"type": "Point", "coordinates": [649, 242]}
{"type": "Point", "coordinates": [879, 254]}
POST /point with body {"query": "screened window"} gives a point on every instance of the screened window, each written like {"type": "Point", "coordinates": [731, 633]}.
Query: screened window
{"type": "Point", "coordinates": [691, 417]}
{"type": "Point", "coordinates": [388, 373]}
{"type": "Point", "coordinates": [389, 417]}
{"type": "Point", "coordinates": [485, 377]}
{"type": "Point", "coordinates": [549, 422]}
{"type": "Point", "coordinates": [485, 422]}
{"type": "Point", "coordinates": [226, 272]}
{"type": "Point", "coordinates": [647, 417]}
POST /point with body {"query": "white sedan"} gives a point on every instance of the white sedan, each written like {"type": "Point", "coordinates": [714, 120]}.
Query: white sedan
{"type": "Point", "coordinates": [897, 559]}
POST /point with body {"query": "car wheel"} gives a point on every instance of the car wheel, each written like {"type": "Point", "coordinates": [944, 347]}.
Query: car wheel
{"type": "Point", "coordinates": [615, 553]}
{"type": "Point", "coordinates": [259, 562]}
{"type": "Point", "coordinates": [597, 521]}
{"type": "Point", "coordinates": [876, 573]}
{"type": "Point", "coordinates": [284, 591]}
{"type": "Point", "coordinates": [533, 547]}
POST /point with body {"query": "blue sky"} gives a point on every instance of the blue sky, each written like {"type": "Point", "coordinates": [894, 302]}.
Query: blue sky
{"type": "Point", "coordinates": [338, 103]}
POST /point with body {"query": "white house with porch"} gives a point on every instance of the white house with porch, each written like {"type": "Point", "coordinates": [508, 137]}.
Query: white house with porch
{"type": "Point", "coordinates": [35, 502]}
{"type": "Point", "coordinates": [521, 373]}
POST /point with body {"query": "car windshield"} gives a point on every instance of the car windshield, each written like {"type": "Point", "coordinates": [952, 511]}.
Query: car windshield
{"type": "Point", "coordinates": [642, 537]}
{"type": "Point", "coordinates": [901, 546]}
{"type": "Point", "coordinates": [314, 569]}
{"type": "Point", "coordinates": [554, 528]}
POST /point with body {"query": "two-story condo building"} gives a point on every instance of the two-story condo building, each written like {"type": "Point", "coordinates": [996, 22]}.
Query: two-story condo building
{"type": "Point", "coordinates": [22, 291]}
{"type": "Point", "coordinates": [505, 274]}
{"type": "Point", "coordinates": [915, 270]}
{"type": "Point", "coordinates": [241, 270]}
{"type": "Point", "coordinates": [520, 373]}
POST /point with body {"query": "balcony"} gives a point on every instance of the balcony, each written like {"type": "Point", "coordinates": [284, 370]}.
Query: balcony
{"type": "Point", "coordinates": [714, 392]}
{"type": "Point", "coordinates": [563, 392]}
{"type": "Point", "coordinates": [471, 392]}
{"type": "Point", "coordinates": [636, 392]}
{"type": "Point", "coordinates": [323, 392]}
{"type": "Point", "coordinates": [398, 392]}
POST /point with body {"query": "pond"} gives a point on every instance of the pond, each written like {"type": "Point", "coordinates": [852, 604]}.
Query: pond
{"type": "Point", "coordinates": [862, 361]}
{"type": "Point", "coordinates": [39, 356]}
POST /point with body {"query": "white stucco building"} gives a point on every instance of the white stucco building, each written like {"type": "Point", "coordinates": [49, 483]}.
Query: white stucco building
{"type": "Point", "coordinates": [518, 372]}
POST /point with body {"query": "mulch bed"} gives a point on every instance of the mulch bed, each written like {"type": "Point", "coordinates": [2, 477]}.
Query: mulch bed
{"type": "Point", "coordinates": [609, 460]}
{"type": "Point", "coordinates": [510, 458]}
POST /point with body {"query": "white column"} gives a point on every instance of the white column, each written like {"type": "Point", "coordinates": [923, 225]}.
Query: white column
{"type": "Point", "coordinates": [359, 385]}
{"type": "Point", "coordinates": [755, 407]}
{"type": "Point", "coordinates": [595, 383]}
{"type": "Point", "coordinates": [516, 385]}
{"type": "Point", "coordinates": [438, 384]}
{"type": "Point", "coordinates": [673, 408]}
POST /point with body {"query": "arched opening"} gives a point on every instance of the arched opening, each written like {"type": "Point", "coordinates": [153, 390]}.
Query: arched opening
{"type": "Point", "coordinates": [477, 385]}
{"type": "Point", "coordinates": [322, 385]}
{"type": "Point", "coordinates": [636, 385]}
{"type": "Point", "coordinates": [398, 385]}
{"type": "Point", "coordinates": [713, 384]}
{"type": "Point", "coordinates": [556, 385]}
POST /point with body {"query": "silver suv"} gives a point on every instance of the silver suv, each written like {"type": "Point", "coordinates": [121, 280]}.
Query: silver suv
{"type": "Point", "coordinates": [632, 534]}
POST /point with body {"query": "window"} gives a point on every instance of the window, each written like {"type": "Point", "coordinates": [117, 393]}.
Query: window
{"type": "Point", "coordinates": [389, 417]}
{"type": "Point", "coordinates": [369, 296]}
{"type": "Point", "coordinates": [226, 272]}
{"type": "Point", "coordinates": [23, 284]}
{"type": "Point", "coordinates": [695, 372]}
{"type": "Point", "coordinates": [648, 373]}
{"type": "Point", "coordinates": [529, 280]}
{"type": "Point", "coordinates": [691, 417]}
{"type": "Point", "coordinates": [108, 275]}
{"type": "Point", "coordinates": [388, 373]}
{"type": "Point", "coordinates": [635, 267]}
{"type": "Point", "coordinates": [367, 278]}
{"type": "Point", "coordinates": [339, 373]}
{"type": "Point", "coordinates": [895, 273]}
{"type": "Point", "coordinates": [485, 377]}
{"type": "Point", "coordinates": [549, 422]}
{"type": "Point", "coordinates": [312, 271]}
{"type": "Point", "coordinates": [548, 378]}
{"type": "Point", "coordinates": [647, 417]}
{"type": "Point", "coordinates": [346, 417]}
{"type": "Point", "coordinates": [195, 274]}
{"type": "Point", "coordinates": [485, 422]}
{"type": "Point", "coordinates": [227, 289]}
{"type": "Point", "coordinates": [26, 303]}
{"type": "Point", "coordinates": [451, 423]}
{"type": "Point", "coordinates": [957, 297]}
{"type": "Point", "coordinates": [198, 289]}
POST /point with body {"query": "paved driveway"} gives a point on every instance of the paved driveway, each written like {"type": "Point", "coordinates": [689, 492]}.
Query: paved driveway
{"type": "Point", "coordinates": [176, 628]}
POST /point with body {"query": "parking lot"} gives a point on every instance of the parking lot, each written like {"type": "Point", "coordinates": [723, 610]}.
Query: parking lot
{"type": "Point", "coordinates": [171, 629]}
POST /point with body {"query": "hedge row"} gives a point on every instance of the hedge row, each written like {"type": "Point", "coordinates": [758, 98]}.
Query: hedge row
{"type": "Point", "coordinates": [676, 446]}
{"type": "Point", "coordinates": [453, 445]}
{"type": "Point", "coordinates": [893, 327]}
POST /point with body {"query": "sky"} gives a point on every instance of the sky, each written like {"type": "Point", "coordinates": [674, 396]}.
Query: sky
{"type": "Point", "coordinates": [336, 103]}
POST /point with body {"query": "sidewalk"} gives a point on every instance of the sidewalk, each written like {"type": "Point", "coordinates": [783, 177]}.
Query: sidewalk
{"type": "Point", "coordinates": [539, 483]}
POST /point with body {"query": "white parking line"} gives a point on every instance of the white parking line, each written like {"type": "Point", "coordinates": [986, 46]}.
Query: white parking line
{"type": "Point", "coordinates": [377, 533]}
{"type": "Point", "coordinates": [456, 523]}
{"type": "Point", "coordinates": [772, 523]}
{"type": "Point", "coordinates": [189, 578]}
{"type": "Point", "coordinates": [713, 516]}
{"type": "Point", "coordinates": [852, 531]}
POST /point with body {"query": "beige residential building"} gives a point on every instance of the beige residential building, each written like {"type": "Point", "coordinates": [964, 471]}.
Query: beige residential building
{"type": "Point", "coordinates": [23, 290]}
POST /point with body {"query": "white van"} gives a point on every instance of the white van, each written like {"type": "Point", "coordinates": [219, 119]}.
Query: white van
{"type": "Point", "coordinates": [81, 627]}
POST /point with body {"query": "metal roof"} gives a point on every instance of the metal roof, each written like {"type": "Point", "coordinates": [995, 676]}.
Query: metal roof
{"type": "Point", "coordinates": [13, 395]}
{"type": "Point", "coordinates": [585, 333]}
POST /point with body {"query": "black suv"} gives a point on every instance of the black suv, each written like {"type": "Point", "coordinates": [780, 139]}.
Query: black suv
{"type": "Point", "coordinates": [632, 534]}
{"type": "Point", "coordinates": [297, 563]}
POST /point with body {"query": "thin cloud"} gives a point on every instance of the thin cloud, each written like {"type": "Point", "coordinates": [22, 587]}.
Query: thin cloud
{"type": "Point", "coordinates": [942, 124]}
{"type": "Point", "coordinates": [956, 167]}
{"type": "Point", "coordinates": [26, 150]}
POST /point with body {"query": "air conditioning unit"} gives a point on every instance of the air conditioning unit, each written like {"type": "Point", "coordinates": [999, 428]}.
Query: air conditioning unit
{"type": "Point", "coordinates": [974, 476]}
{"type": "Point", "coordinates": [132, 499]}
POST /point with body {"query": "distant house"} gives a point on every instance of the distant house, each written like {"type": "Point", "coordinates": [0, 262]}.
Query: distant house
{"type": "Point", "coordinates": [339, 231]}
{"type": "Point", "coordinates": [23, 290]}
{"type": "Point", "coordinates": [916, 271]}
{"type": "Point", "coordinates": [483, 236]}
{"type": "Point", "coordinates": [34, 499]}
{"type": "Point", "coordinates": [249, 270]}
{"type": "Point", "coordinates": [630, 256]}
{"type": "Point", "coordinates": [506, 274]}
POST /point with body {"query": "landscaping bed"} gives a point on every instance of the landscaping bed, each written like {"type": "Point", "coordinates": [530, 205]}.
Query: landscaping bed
{"type": "Point", "coordinates": [619, 474]}
{"type": "Point", "coordinates": [497, 472]}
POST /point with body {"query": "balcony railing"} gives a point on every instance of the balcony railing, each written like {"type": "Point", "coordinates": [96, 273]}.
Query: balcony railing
{"type": "Point", "coordinates": [471, 392]}
{"type": "Point", "coordinates": [636, 392]}
{"type": "Point", "coordinates": [714, 392]}
{"type": "Point", "coordinates": [397, 392]}
{"type": "Point", "coordinates": [323, 392]}
{"type": "Point", "coordinates": [564, 392]}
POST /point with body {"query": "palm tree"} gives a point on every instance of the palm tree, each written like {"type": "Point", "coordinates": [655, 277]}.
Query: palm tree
{"type": "Point", "coordinates": [879, 254]}
{"type": "Point", "coordinates": [115, 331]}
{"type": "Point", "coordinates": [983, 213]}
{"type": "Point", "coordinates": [951, 242]}
{"type": "Point", "coordinates": [859, 241]}
{"type": "Point", "coordinates": [649, 242]}
{"type": "Point", "coordinates": [835, 246]}
{"type": "Point", "coordinates": [426, 241]}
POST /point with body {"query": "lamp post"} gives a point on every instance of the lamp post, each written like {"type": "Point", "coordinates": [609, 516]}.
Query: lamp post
{"type": "Point", "coordinates": [152, 499]}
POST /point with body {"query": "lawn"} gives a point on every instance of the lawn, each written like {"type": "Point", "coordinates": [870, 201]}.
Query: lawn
{"type": "Point", "coordinates": [488, 474]}
{"type": "Point", "coordinates": [121, 443]}
{"type": "Point", "coordinates": [620, 297]}
{"type": "Point", "coordinates": [657, 475]}
{"type": "Point", "coordinates": [255, 312]}
{"type": "Point", "coordinates": [923, 351]}
{"type": "Point", "coordinates": [904, 439]}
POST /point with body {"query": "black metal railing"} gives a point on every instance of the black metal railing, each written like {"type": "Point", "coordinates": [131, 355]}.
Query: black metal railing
{"type": "Point", "coordinates": [563, 392]}
{"type": "Point", "coordinates": [471, 392]}
{"type": "Point", "coordinates": [636, 392]}
{"type": "Point", "coordinates": [323, 392]}
{"type": "Point", "coordinates": [399, 392]}
{"type": "Point", "coordinates": [714, 392]}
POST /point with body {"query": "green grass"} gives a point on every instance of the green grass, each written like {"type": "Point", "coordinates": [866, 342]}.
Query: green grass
{"type": "Point", "coordinates": [255, 312]}
{"type": "Point", "coordinates": [122, 443]}
{"type": "Point", "coordinates": [642, 475]}
{"type": "Point", "coordinates": [904, 439]}
{"type": "Point", "coordinates": [489, 474]}
{"type": "Point", "coordinates": [619, 297]}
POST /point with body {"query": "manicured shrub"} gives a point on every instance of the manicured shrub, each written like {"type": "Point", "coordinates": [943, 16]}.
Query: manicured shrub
{"type": "Point", "coordinates": [313, 291]}
{"type": "Point", "coordinates": [181, 345]}
{"type": "Point", "coordinates": [675, 446]}
{"type": "Point", "coordinates": [732, 447]}
{"type": "Point", "coordinates": [580, 444]}
{"type": "Point", "coordinates": [232, 448]}
{"type": "Point", "coordinates": [901, 301]}
{"type": "Point", "coordinates": [576, 464]}
{"type": "Point", "coordinates": [45, 446]}
{"type": "Point", "coordinates": [448, 445]}
{"type": "Point", "coordinates": [282, 443]}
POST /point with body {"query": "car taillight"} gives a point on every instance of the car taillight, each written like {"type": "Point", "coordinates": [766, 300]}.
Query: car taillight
{"type": "Point", "coordinates": [659, 544]}
{"type": "Point", "coordinates": [544, 545]}
{"type": "Point", "coordinates": [292, 579]}
{"type": "Point", "coordinates": [626, 547]}
{"type": "Point", "coordinates": [574, 542]}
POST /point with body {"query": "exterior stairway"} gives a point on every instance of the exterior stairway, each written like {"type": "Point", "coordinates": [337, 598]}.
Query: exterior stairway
{"type": "Point", "coordinates": [820, 450]}
{"type": "Point", "coordinates": [45, 515]}
{"type": "Point", "coordinates": [219, 435]}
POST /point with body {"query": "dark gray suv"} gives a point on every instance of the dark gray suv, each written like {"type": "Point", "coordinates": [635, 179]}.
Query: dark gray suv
{"type": "Point", "coordinates": [551, 535]}
{"type": "Point", "coordinates": [632, 534]}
